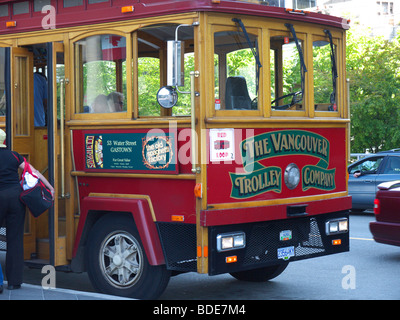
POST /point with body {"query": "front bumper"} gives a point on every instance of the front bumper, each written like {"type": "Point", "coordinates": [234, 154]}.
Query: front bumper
{"type": "Point", "coordinates": [274, 242]}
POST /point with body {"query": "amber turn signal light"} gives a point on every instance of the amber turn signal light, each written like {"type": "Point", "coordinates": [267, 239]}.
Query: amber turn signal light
{"type": "Point", "coordinates": [127, 9]}
{"type": "Point", "coordinates": [231, 259]}
{"type": "Point", "coordinates": [198, 191]}
{"type": "Point", "coordinates": [11, 24]}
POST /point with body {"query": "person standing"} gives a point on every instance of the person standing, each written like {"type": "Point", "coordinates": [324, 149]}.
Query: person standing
{"type": "Point", "coordinates": [40, 99]}
{"type": "Point", "coordinates": [13, 210]}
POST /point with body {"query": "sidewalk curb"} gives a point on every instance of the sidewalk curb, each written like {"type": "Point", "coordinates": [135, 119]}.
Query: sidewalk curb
{"type": "Point", "coordinates": [67, 293]}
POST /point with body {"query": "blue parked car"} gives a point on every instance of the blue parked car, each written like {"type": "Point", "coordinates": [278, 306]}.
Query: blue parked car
{"type": "Point", "coordinates": [366, 174]}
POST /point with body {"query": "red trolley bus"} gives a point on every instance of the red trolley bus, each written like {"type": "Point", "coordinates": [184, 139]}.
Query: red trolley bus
{"type": "Point", "coordinates": [180, 136]}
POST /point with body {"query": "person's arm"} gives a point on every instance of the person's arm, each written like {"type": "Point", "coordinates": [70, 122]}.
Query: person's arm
{"type": "Point", "coordinates": [41, 177]}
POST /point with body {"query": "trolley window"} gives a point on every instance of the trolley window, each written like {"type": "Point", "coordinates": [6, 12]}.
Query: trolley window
{"type": "Point", "coordinates": [21, 7]}
{"type": "Point", "coordinates": [287, 70]}
{"type": "Point", "coordinates": [96, 1]}
{"type": "Point", "coordinates": [325, 73]}
{"type": "Point", "coordinates": [72, 3]}
{"type": "Point", "coordinates": [236, 68]}
{"type": "Point", "coordinates": [39, 4]}
{"type": "Point", "coordinates": [152, 60]}
{"type": "Point", "coordinates": [22, 67]}
{"type": "Point", "coordinates": [4, 10]}
{"type": "Point", "coordinates": [101, 74]}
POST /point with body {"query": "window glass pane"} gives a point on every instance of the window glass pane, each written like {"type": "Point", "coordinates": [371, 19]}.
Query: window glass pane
{"type": "Point", "coordinates": [21, 93]}
{"type": "Point", "coordinates": [4, 10]}
{"type": "Point", "coordinates": [72, 3]}
{"type": "Point", "coordinates": [183, 106]}
{"type": "Point", "coordinates": [392, 166]}
{"type": "Point", "coordinates": [303, 4]}
{"type": "Point", "coordinates": [286, 83]}
{"type": "Point", "coordinates": [273, 3]}
{"type": "Point", "coordinates": [2, 83]}
{"type": "Point", "coordinates": [235, 71]}
{"type": "Point", "coordinates": [101, 74]}
{"type": "Point", "coordinates": [60, 74]}
{"type": "Point", "coordinates": [148, 86]}
{"type": "Point", "coordinates": [21, 7]}
{"type": "Point", "coordinates": [39, 4]}
{"type": "Point", "coordinates": [325, 83]}
{"type": "Point", "coordinates": [368, 166]}
{"type": "Point", "coordinates": [151, 41]}
{"type": "Point", "coordinates": [385, 8]}
{"type": "Point", "coordinates": [97, 1]}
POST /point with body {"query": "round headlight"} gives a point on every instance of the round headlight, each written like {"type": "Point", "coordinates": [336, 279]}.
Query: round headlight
{"type": "Point", "coordinates": [292, 176]}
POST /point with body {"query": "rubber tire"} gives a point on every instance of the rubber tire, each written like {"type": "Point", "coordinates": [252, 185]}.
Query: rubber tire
{"type": "Point", "coordinates": [152, 281]}
{"type": "Point", "coordinates": [261, 274]}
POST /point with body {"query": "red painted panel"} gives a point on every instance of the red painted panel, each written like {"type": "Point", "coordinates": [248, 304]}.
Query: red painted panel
{"type": "Point", "coordinates": [318, 153]}
{"type": "Point", "coordinates": [169, 196]}
{"type": "Point", "coordinates": [273, 212]}
{"type": "Point", "coordinates": [142, 215]}
{"type": "Point", "coordinates": [386, 228]}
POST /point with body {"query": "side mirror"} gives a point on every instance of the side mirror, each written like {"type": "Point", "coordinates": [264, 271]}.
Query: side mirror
{"type": "Point", "coordinates": [167, 97]}
{"type": "Point", "coordinates": [175, 63]}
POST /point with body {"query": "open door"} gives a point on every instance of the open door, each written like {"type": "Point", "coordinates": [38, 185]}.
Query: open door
{"type": "Point", "coordinates": [43, 146]}
{"type": "Point", "coordinates": [22, 129]}
{"type": "Point", "coordinates": [56, 144]}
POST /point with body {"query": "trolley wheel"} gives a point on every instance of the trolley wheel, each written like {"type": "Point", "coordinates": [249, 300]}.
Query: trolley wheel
{"type": "Point", "coordinates": [261, 274]}
{"type": "Point", "coordinates": [117, 263]}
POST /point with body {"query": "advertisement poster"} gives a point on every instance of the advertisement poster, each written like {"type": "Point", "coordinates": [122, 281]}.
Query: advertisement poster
{"type": "Point", "coordinates": [142, 152]}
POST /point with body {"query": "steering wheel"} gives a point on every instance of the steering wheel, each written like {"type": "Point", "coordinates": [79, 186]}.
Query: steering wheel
{"type": "Point", "coordinates": [295, 99]}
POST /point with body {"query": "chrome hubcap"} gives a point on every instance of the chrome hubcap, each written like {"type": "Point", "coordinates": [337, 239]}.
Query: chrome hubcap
{"type": "Point", "coordinates": [121, 259]}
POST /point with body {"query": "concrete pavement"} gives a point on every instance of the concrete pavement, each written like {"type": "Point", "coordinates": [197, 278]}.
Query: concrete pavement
{"type": "Point", "coordinates": [32, 292]}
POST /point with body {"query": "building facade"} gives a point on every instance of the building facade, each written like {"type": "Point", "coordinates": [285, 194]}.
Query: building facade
{"type": "Point", "coordinates": [381, 17]}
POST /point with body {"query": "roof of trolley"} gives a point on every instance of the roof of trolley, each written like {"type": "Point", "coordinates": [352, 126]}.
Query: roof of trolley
{"type": "Point", "coordinates": [110, 10]}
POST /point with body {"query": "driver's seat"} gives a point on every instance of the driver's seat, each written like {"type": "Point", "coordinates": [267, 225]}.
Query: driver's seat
{"type": "Point", "coordinates": [236, 94]}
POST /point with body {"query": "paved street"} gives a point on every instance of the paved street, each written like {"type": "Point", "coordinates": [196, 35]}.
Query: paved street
{"type": "Point", "coordinates": [375, 267]}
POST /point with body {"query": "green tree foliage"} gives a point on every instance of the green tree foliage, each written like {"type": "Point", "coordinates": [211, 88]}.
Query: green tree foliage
{"type": "Point", "coordinates": [373, 67]}
{"type": "Point", "coordinates": [149, 84]}
{"type": "Point", "coordinates": [99, 77]}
